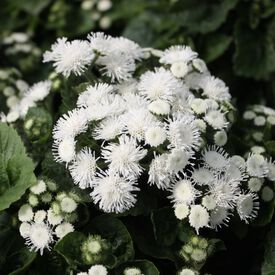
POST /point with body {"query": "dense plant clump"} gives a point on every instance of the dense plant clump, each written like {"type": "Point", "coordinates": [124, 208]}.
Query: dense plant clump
{"type": "Point", "coordinates": [145, 149]}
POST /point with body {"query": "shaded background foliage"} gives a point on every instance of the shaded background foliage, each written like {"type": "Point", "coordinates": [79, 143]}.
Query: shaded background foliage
{"type": "Point", "coordinates": [236, 38]}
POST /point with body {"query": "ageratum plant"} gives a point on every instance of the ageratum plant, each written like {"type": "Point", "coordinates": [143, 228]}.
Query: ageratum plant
{"type": "Point", "coordinates": [144, 122]}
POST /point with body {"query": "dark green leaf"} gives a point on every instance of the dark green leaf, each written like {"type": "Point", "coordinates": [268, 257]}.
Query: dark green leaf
{"type": "Point", "coordinates": [268, 267]}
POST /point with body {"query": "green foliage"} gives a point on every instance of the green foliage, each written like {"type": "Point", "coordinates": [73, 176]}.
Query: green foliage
{"type": "Point", "coordinates": [15, 256]}
{"type": "Point", "coordinates": [268, 267]}
{"type": "Point", "coordinates": [16, 167]}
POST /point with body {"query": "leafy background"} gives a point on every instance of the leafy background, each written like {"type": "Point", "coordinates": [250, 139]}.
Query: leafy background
{"type": "Point", "coordinates": [237, 40]}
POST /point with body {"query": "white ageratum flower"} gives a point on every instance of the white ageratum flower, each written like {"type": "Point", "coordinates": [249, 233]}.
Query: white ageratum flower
{"type": "Point", "coordinates": [24, 105]}
{"type": "Point", "coordinates": [154, 136]}
{"type": "Point", "coordinates": [248, 115]}
{"type": "Point", "coordinates": [178, 159]}
{"type": "Point", "coordinates": [178, 54]}
{"type": "Point", "coordinates": [215, 158]}
{"type": "Point", "coordinates": [100, 42]}
{"type": "Point", "coordinates": [137, 121]}
{"type": "Point", "coordinates": [256, 166]}
{"type": "Point", "coordinates": [70, 125]}
{"type": "Point", "coordinates": [63, 229]}
{"type": "Point", "coordinates": [24, 229]}
{"type": "Point", "coordinates": [40, 216]}
{"type": "Point", "coordinates": [114, 193]}
{"type": "Point", "coordinates": [132, 271]}
{"type": "Point", "coordinates": [220, 138]}
{"type": "Point", "coordinates": [109, 128]}
{"type": "Point", "coordinates": [199, 106]}
{"type": "Point", "coordinates": [235, 171]}
{"type": "Point", "coordinates": [255, 184]}
{"type": "Point", "coordinates": [159, 107]}
{"type": "Point", "coordinates": [198, 217]}
{"type": "Point", "coordinates": [40, 237]}
{"type": "Point", "coordinates": [94, 95]}
{"type": "Point", "coordinates": [127, 47]}
{"type": "Point", "coordinates": [160, 84]}
{"type": "Point", "coordinates": [53, 218]}
{"type": "Point", "coordinates": [39, 90]}
{"type": "Point", "coordinates": [218, 217]}
{"type": "Point", "coordinates": [209, 202]}
{"type": "Point", "coordinates": [216, 119]}
{"type": "Point", "coordinates": [64, 151]}
{"type": "Point", "coordinates": [215, 88]}
{"type": "Point", "coordinates": [247, 206]}
{"type": "Point", "coordinates": [183, 133]}
{"type": "Point", "coordinates": [202, 176]}
{"type": "Point", "coordinates": [158, 172]}
{"type": "Point", "coordinates": [98, 270]}
{"type": "Point", "coordinates": [39, 188]}
{"type": "Point", "coordinates": [25, 213]}
{"type": "Point", "coordinates": [267, 194]}
{"type": "Point", "coordinates": [186, 271]}
{"type": "Point", "coordinates": [225, 191]}
{"type": "Point", "coordinates": [70, 57]}
{"type": "Point", "coordinates": [68, 205]}
{"type": "Point", "coordinates": [124, 157]}
{"type": "Point", "coordinates": [184, 191]}
{"type": "Point", "coordinates": [259, 121]}
{"type": "Point", "coordinates": [181, 210]}
{"type": "Point", "coordinates": [83, 168]}
{"type": "Point", "coordinates": [117, 66]}
{"type": "Point", "coordinates": [271, 170]}
{"type": "Point", "coordinates": [179, 69]}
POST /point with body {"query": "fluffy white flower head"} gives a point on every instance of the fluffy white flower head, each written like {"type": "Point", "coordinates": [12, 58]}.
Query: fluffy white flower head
{"type": "Point", "coordinates": [83, 168]}
{"type": "Point", "coordinates": [125, 156]}
{"type": "Point", "coordinates": [70, 57]}
{"type": "Point", "coordinates": [198, 217]}
{"type": "Point", "coordinates": [40, 237]}
{"type": "Point", "coordinates": [114, 193]}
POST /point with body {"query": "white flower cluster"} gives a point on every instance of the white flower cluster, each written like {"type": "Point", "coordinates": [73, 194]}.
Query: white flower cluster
{"type": "Point", "coordinates": [214, 190]}
{"type": "Point", "coordinates": [27, 97]}
{"type": "Point", "coordinates": [98, 10]}
{"type": "Point", "coordinates": [20, 43]}
{"type": "Point", "coordinates": [260, 117]}
{"type": "Point", "coordinates": [153, 123]}
{"type": "Point", "coordinates": [47, 216]}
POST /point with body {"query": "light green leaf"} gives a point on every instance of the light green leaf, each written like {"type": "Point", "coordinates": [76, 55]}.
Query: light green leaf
{"type": "Point", "coordinates": [16, 168]}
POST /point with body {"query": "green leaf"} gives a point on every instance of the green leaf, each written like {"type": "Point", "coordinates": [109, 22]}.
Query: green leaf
{"type": "Point", "coordinates": [70, 248]}
{"type": "Point", "coordinates": [146, 267]}
{"type": "Point", "coordinates": [268, 267]}
{"type": "Point", "coordinates": [33, 7]}
{"type": "Point", "coordinates": [203, 17]}
{"type": "Point", "coordinates": [255, 51]}
{"type": "Point", "coordinates": [15, 163]}
{"type": "Point", "coordinates": [116, 233]}
{"type": "Point", "coordinates": [165, 225]}
{"type": "Point", "coordinates": [270, 147]}
{"type": "Point", "coordinates": [141, 29]}
{"type": "Point", "coordinates": [20, 260]}
{"type": "Point", "coordinates": [144, 239]}
{"type": "Point", "coordinates": [265, 213]}
{"type": "Point", "coordinates": [215, 46]}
